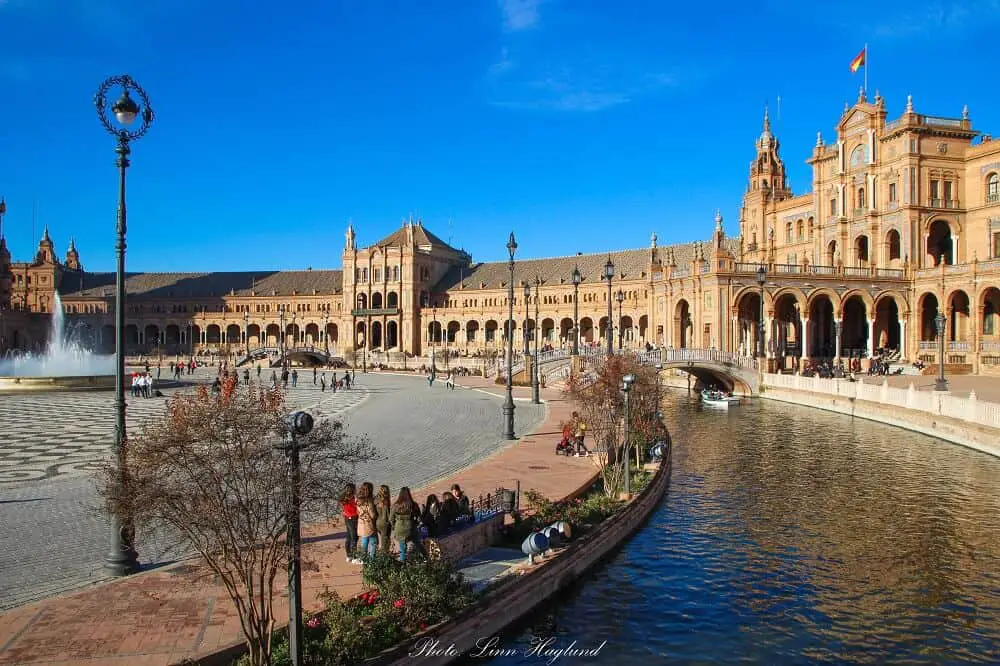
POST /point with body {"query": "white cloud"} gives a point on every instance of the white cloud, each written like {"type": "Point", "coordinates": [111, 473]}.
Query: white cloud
{"type": "Point", "coordinates": [519, 14]}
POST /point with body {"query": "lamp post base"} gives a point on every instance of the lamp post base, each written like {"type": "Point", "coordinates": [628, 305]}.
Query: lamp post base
{"type": "Point", "coordinates": [121, 560]}
{"type": "Point", "coordinates": [508, 417]}
{"type": "Point", "coordinates": [941, 384]}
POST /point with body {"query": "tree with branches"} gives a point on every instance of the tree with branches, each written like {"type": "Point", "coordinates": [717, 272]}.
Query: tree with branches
{"type": "Point", "coordinates": [213, 470]}
{"type": "Point", "coordinates": [599, 402]}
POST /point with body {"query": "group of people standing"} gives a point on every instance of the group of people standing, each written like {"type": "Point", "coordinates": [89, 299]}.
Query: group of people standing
{"type": "Point", "coordinates": [373, 521]}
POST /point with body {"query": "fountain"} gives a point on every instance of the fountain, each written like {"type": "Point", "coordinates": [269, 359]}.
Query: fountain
{"type": "Point", "coordinates": [66, 363]}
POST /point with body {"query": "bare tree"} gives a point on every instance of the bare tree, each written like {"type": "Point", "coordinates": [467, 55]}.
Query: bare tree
{"type": "Point", "coordinates": [600, 403]}
{"type": "Point", "coordinates": [213, 469]}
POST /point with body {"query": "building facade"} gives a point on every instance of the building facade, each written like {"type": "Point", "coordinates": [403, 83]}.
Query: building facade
{"type": "Point", "coordinates": [902, 221]}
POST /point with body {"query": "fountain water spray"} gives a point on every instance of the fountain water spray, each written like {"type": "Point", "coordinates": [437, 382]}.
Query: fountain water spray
{"type": "Point", "coordinates": [65, 356]}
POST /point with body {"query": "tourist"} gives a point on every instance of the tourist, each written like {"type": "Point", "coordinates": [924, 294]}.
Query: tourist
{"type": "Point", "coordinates": [258, 372]}
{"type": "Point", "coordinates": [579, 434]}
{"type": "Point", "coordinates": [450, 511]}
{"type": "Point", "coordinates": [284, 378]}
{"type": "Point", "coordinates": [431, 515]}
{"type": "Point", "coordinates": [295, 378]}
{"type": "Point", "coordinates": [347, 380]}
{"type": "Point", "coordinates": [349, 507]}
{"type": "Point", "coordinates": [322, 384]}
{"type": "Point", "coordinates": [449, 381]}
{"type": "Point", "coordinates": [246, 377]}
{"type": "Point", "coordinates": [404, 516]}
{"type": "Point", "coordinates": [314, 376]}
{"type": "Point", "coordinates": [367, 516]}
{"type": "Point", "coordinates": [463, 502]}
{"type": "Point", "coordinates": [383, 521]}
{"type": "Point", "coordinates": [431, 377]}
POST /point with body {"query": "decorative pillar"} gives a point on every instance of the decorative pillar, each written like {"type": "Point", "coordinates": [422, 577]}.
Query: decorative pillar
{"type": "Point", "coordinates": [954, 249]}
{"type": "Point", "coordinates": [871, 339]}
{"type": "Point", "coordinates": [902, 338]}
{"type": "Point", "coordinates": [805, 338]}
{"type": "Point", "coordinates": [768, 334]}
{"type": "Point", "coordinates": [838, 325]}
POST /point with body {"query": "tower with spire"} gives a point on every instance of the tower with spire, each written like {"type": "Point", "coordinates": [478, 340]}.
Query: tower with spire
{"type": "Point", "coordinates": [72, 257]}
{"type": "Point", "coordinates": [46, 249]}
{"type": "Point", "coordinates": [767, 186]}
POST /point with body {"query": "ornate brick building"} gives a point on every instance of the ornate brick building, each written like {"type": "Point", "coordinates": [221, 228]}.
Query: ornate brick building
{"type": "Point", "coordinates": [903, 219]}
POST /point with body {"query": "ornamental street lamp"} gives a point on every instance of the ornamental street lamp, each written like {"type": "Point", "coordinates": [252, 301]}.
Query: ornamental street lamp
{"type": "Point", "coordinates": [761, 279]}
{"type": "Point", "coordinates": [939, 321]}
{"type": "Point", "coordinates": [298, 424]}
{"type": "Point", "coordinates": [534, 371]}
{"type": "Point", "coordinates": [434, 313]}
{"type": "Point", "coordinates": [326, 335]}
{"type": "Point", "coordinates": [627, 382]}
{"type": "Point", "coordinates": [281, 338]}
{"type": "Point", "coordinates": [620, 297]}
{"type": "Point", "coordinates": [116, 119]}
{"type": "Point", "coordinates": [508, 405]}
{"type": "Point", "coordinates": [609, 275]}
{"type": "Point", "coordinates": [246, 334]}
{"type": "Point", "coordinates": [577, 278]}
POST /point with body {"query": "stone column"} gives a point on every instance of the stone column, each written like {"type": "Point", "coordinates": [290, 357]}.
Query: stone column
{"type": "Point", "coordinates": [871, 340]}
{"type": "Point", "coordinates": [805, 338]}
{"type": "Point", "coordinates": [902, 339]}
{"type": "Point", "coordinates": [838, 325]}
{"type": "Point", "coordinates": [768, 335]}
{"type": "Point", "coordinates": [954, 249]}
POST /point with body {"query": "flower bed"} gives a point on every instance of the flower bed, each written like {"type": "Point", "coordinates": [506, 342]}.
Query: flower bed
{"type": "Point", "coordinates": [402, 600]}
{"type": "Point", "coordinates": [583, 513]}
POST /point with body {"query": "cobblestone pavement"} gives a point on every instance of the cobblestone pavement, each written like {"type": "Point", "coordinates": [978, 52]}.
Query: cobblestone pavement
{"type": "Point", "coordinates": [55, 534]}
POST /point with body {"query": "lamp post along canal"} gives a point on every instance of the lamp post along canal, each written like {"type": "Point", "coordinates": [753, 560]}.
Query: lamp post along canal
{"type": "Point", "coordinates": [535, 377]}
{"type": "Point", "coordinates": [939, 323]}
{"type": "Point", "coordinates": [577, 278]}
{"type": "Point", "coordinates": [609, 275]}
{"type": "Point", "coordinates": [246, 335]}
{"type": "Point", "coordinates": [281, 338]}
{"type": "Point", "coordinates": [508, 405]}
{"type": "Point", "coordinates": [761, 279]}
{"type": "Point", "coordinates": [627, 382]}
{"type": "Point", "coordinates": [298, 424]}
{"type": "Point", "coordinates": [118, 119]}
{"type": "Point", "coordinates": [527, 314]}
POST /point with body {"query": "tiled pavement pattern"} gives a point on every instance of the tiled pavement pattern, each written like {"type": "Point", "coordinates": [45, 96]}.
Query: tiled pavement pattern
{"type": "Point", "coordinates": [160, 617]}
{"type": "Point", "coordinates": [53, 532]}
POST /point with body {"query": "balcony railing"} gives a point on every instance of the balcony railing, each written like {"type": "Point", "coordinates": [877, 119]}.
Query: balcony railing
{"type": "Point", "coordinates": [374, 312]}
{"type": "Point", "coordinates": [943, 203]}
{"type": "Point", "coordinates": [958, 346]}
{"type": "Point", "coordinates": [993, 198]}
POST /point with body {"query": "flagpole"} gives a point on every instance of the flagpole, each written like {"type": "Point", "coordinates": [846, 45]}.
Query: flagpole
{"type": "Point", "coordinates": [866, 69]}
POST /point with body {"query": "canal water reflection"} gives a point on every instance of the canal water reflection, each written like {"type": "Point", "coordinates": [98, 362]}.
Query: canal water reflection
{"type": "Point", "coordinates": [792, 536]}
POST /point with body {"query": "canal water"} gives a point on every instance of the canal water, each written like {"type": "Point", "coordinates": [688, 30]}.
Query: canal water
{"type": "Point", "coordinates": [794, 536]}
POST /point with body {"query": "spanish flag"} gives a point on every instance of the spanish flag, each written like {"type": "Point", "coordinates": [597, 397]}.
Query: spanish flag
{"type": "Point", "coordinates": [859, 60]}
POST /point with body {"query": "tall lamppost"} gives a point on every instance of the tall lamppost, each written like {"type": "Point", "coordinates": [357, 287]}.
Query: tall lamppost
{"type": "Point", "coordinates": [577, 278]}
{"type": "Point", "coordinates": [116, 119]}
{"type": "Point", "coordinates": [508, 405]}
{"type": "Point", "coordinates": [326, 335]}
{"type": "Point", "coordinates": [620, 297]}
{"type": "Point", "coordinates": [281, 338]}
{"type": "Point", "coordinates": [609, 275]}
{"type": "Point", "coordinates": [939, 321]}
{"type": "Point", "coordinates": [246, 334]}
{"type": "Point", "coordinates": [434, 329]}
{"type": "Point", "coordinates": [298, 424]}
{"type": "Point", "coordinates": [761, 279]}
{"type": "Point", "coordinates": [534, 370]}
{"type": "Point", "coordinates": [627, 382]}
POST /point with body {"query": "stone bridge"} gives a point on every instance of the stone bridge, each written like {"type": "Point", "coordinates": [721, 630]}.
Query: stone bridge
{"type": "Point", "coordinates": [273, 355]}
{"type": "Point", "coordinates": [732, 371]}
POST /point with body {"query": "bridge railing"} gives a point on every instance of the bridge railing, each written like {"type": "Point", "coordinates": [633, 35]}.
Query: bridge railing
{"type": "Point", "coordinates": [543, 357]}
{"type": "Point", "coordinates": [266, 352]}
{"type": "Point", "coordinates": [666, 356]}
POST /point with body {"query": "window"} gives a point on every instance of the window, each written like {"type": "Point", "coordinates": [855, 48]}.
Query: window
{"type": "Point", "coordinates": [833, 206]}
{"type": "Point", "coordinates": [935, 190]}
{"type": "Point", "coordinates": [788, 232]}
{"type": "Point", "coordinates": [812, 228]}
{"type": "Point", "coordinates": [996, 244]}
{"type": "Point", "coordinates": [799, 231]}
{"type": "Point", "coordinates": [861, 197]}
{"type": "Point", "coordinates": [993, 188]}
{"type": "Point", "coordinates": [947, 191]}
{"type": "Point", "coordinates": [892, 192]}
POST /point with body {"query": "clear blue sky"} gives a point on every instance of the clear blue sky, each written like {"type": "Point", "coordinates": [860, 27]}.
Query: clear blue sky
{"type": "Point", "coordinates": [583, 125]}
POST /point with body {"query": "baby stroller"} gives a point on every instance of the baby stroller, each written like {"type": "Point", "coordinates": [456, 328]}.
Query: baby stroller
{"type": "Point", "coordinates": [565, 447]}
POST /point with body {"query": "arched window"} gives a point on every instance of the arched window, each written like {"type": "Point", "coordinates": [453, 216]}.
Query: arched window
{"type": "Point", "coordinates": [859, 156]}
{"type": "Point", "coordinates": [788, 232]}
{"type": "Point", "coordinates": [993, 188]}
{"type": "Point", "coordinates": [812, 228]}
{"type": "Point", "coordinates": [800, 231]}
{"type": "Point", "coordinates": [861, 197]}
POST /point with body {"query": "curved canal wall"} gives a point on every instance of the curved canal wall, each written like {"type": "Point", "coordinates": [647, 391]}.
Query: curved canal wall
{"type": "Point", "coordinates": [521, 595]}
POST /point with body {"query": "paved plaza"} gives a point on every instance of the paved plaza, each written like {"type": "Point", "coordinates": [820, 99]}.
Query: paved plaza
{"type": "Point", "coordinates": [55, 535]}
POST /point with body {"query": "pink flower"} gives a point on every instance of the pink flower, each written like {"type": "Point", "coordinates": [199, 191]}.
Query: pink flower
{"type": "Point", "coordinates": [314, 622]}
{"type": "Point", "coordinates": [399, 603]}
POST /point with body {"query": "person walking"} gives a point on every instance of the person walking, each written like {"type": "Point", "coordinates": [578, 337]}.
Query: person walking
{"type": "Point", "coordinates": [258, 372]}
{"type": "Point", "coordinates": [449, 382]}
{"type": "Point", "coordinates": [322, 384]}
{"type": "Point", "coordinates": [295, 378]}
{"type": "Point", "coordinates": [349, 508]}
{"type": "Point", "coordinates": [314, 376]}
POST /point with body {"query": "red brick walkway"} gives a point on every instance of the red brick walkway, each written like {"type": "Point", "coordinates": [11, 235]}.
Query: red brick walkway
{"type": "Point", "coordinates": [162, 617]}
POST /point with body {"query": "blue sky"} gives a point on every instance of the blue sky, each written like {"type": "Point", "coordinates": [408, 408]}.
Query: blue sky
{"type": "Point", "coordinates": [584, 125]}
